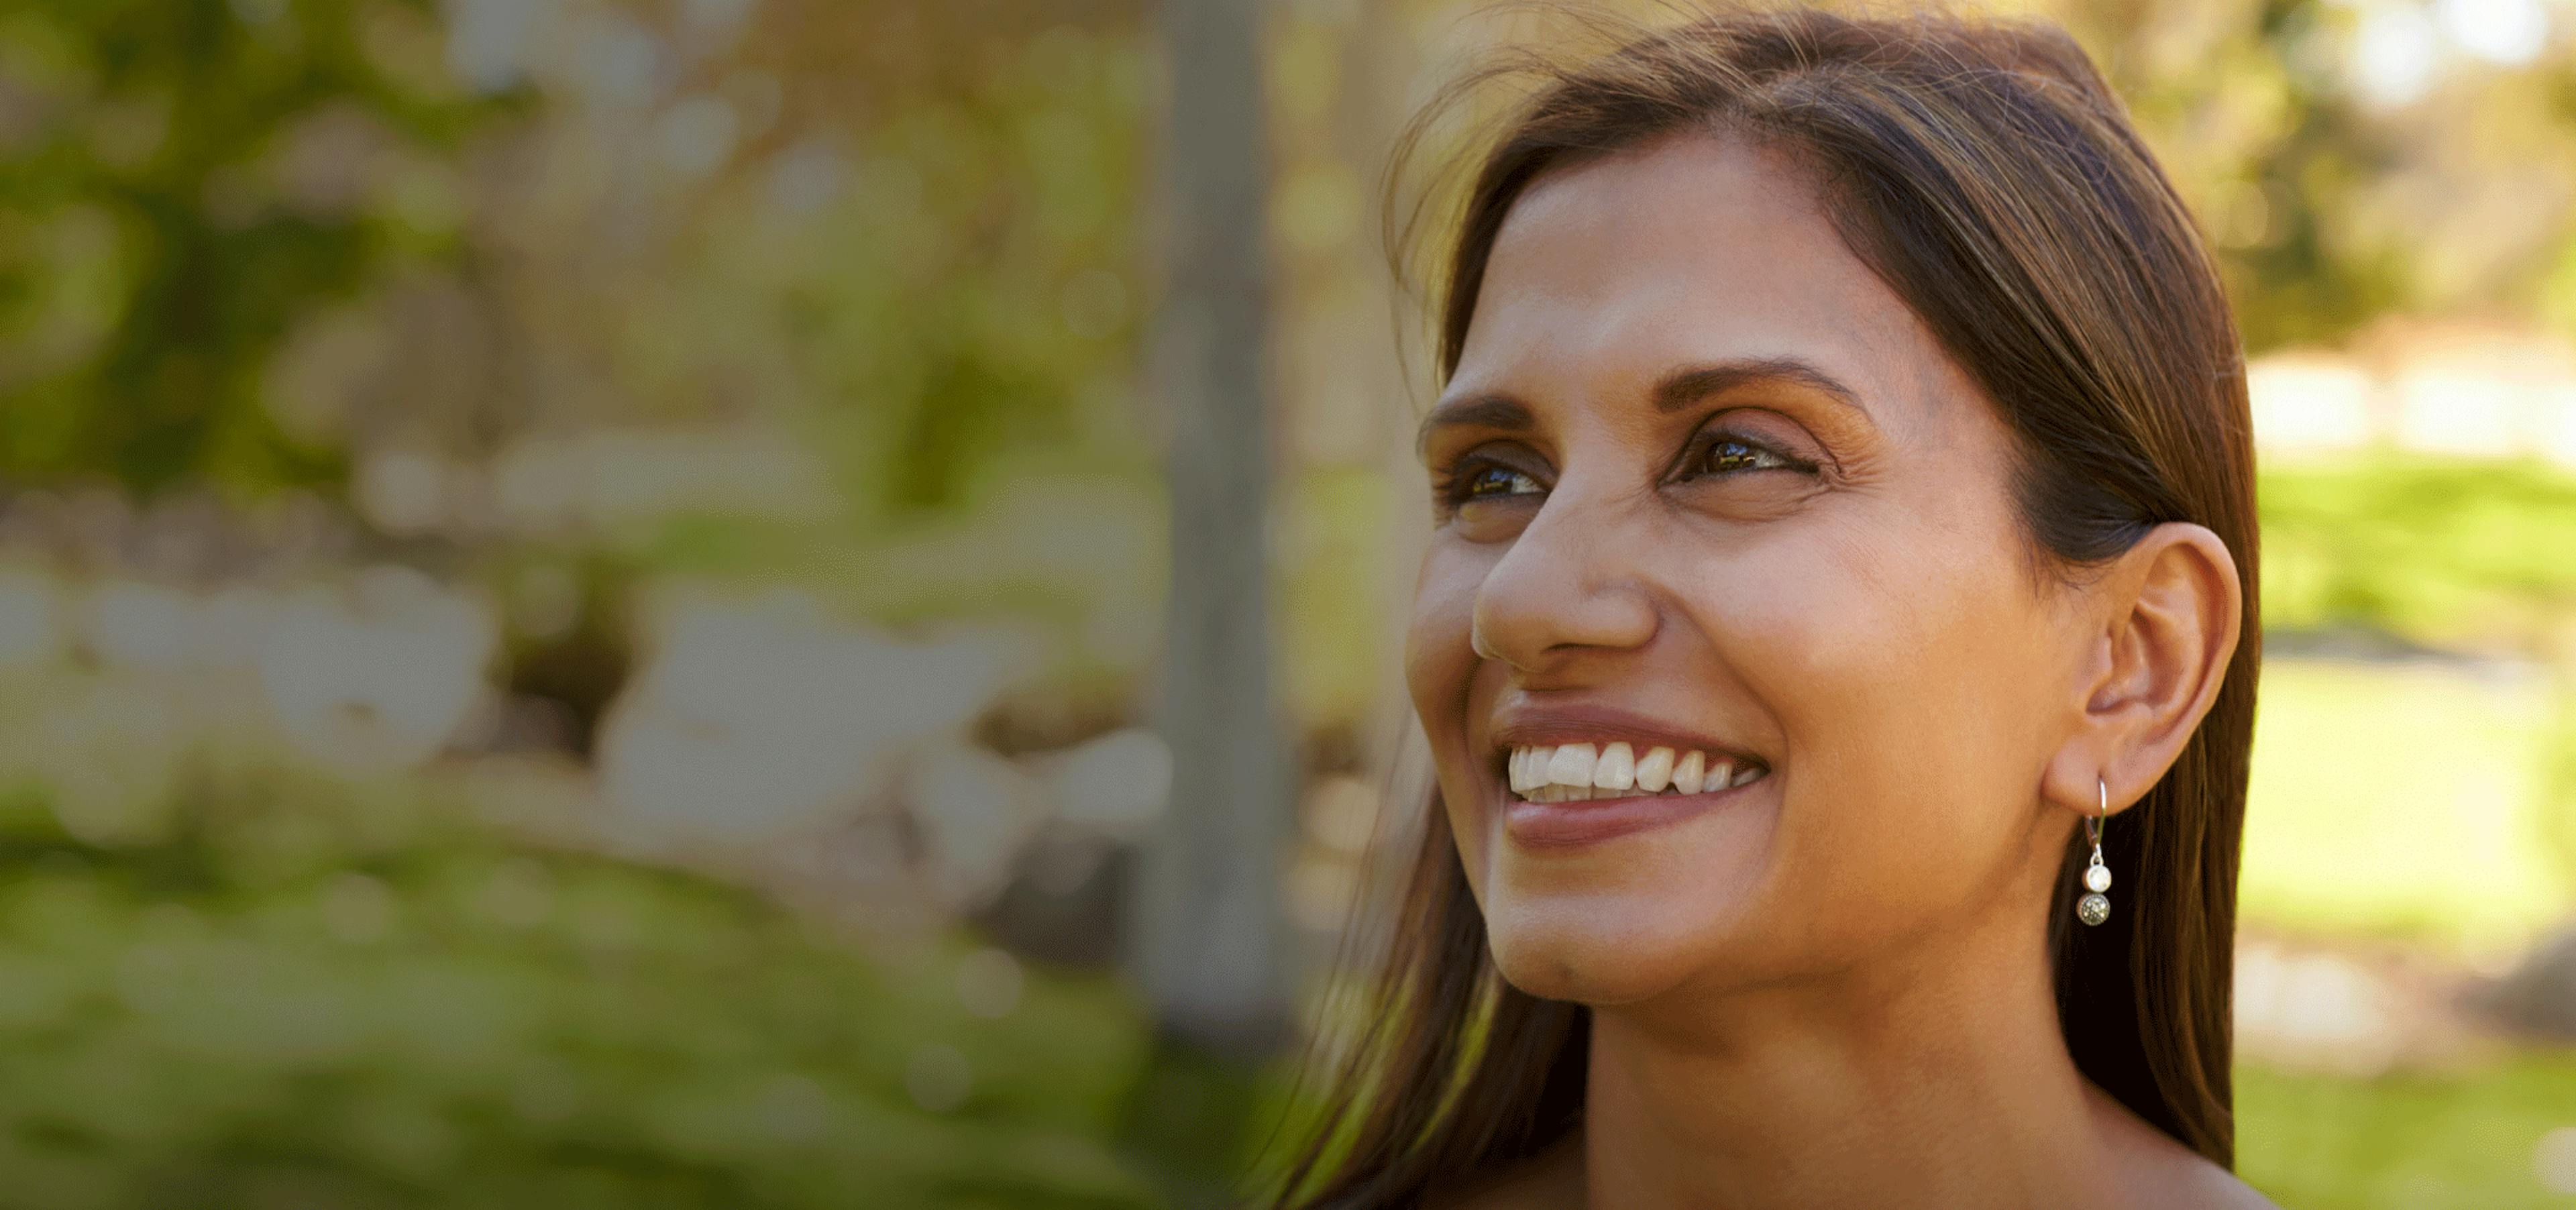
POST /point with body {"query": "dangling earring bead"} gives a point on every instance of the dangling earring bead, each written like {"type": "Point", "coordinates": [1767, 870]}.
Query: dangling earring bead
{"type": "Point", "coordinates": [2095, 907]}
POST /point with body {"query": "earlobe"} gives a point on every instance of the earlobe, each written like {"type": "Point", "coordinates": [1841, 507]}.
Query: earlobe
{"type": "Point", "coordinates": [2169, 624]}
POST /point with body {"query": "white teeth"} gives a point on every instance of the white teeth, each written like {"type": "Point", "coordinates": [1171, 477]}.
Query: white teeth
{"type": "Point", "coordinates": [1582, 772]}
{"type": "Point", "coordinates": [1534, 767]}
{"type": "Point", "coordinates": [1617, 769]}
{"type": "Point", "coordinates": [1572, 765]}
{"type": "Point", "coordinates": [1686, 772]}
{"type": "Point", "coordinates": [1655, 770]}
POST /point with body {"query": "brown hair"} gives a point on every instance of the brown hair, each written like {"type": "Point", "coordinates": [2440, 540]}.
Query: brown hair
{"type": "Point", "coordinates": [1984, 170]}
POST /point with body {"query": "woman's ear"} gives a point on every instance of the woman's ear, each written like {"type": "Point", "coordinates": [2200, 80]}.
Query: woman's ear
{"type": "Point", "coordinates": [2166, 616]}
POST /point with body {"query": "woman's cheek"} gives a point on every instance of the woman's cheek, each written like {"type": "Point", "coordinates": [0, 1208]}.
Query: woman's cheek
{"type": "Point", "coordinates": [1791, 623]}
{"type": "Point", "coordinates": [1898, 695]}
{"type": "Point", "coordinates": [1439, 659]}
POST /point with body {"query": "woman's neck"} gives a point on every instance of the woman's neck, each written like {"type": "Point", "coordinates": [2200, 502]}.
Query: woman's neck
{"type": "Point", "coordinates": [1939, 1079]}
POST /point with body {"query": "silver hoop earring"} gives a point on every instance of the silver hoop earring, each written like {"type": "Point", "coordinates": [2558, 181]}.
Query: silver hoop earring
{"type": "Point", "coordinates": [2095, 907]}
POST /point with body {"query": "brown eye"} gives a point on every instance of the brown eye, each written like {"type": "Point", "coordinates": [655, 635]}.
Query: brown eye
{"type": "Point", "coordinates": [1493, 480]}
{"type": "Point", "coordinates": [1727, 455]}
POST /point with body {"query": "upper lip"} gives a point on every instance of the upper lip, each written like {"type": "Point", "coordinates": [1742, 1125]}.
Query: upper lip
{"type": "Point", "coordinates": [1529, 726]}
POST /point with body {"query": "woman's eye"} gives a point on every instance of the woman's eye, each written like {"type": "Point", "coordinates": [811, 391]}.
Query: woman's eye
{"type": "Point", "coordinates": [1488, 481]}
{"type": "Point", "coordinates": [1727, 455]}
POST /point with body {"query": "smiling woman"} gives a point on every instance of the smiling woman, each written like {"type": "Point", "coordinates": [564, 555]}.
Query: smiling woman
{"type": "Point", "coordinates": [1842, 490]}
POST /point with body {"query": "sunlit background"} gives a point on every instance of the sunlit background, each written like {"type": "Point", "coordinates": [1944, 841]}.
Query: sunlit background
{"type": "Point", "coordinates": [582, 588]}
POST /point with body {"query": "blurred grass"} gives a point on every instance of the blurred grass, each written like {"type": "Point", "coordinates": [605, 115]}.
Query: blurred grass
{"type": "Point", "coordinates": [2401, 800]}
{"type": "Point", "coordinates": [306, 991]}
{"type": "Point", "coordinates": [2443, 552]}
{"type": "Point", "coordinates": [2464, 1141]}
{"type": "Point", "coordinates": [2399, 791]}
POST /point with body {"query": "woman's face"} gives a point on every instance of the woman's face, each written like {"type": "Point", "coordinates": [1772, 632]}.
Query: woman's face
{"type": "Point", "coordinates": [1706, 485]}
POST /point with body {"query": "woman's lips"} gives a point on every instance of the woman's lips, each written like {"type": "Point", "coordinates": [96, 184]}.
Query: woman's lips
{"type": "Point", "coordinates": [1570, 823]}
{"type": "Point", "coordinates": [1573, 777]}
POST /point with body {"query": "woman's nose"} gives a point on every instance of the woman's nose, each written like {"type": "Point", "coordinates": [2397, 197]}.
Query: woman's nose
{"type": "Point", "coordinates": [1564, 589]}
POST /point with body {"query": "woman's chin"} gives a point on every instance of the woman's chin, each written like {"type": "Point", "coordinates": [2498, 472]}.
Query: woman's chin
{"type": "Point", "coordinates": [1604, 954]}
{"type": "Point", "coordinates": [1623, 920]}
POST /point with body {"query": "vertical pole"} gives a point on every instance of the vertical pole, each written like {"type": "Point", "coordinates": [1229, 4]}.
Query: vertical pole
{"type": "Point", "coordinates": [1210, 944]}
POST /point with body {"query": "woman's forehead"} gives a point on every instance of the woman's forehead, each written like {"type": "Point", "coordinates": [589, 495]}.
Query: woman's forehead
{"type": "Point", "coordinates": [1693, 248]}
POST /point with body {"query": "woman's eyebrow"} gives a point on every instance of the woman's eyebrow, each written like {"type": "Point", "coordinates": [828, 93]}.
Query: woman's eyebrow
{"type": "Point", "coordinates": [1486, 411]}
{"type": "Point", "coordinates": [1674, 391]}
{"type": "Point", "coordinates": [1690, 384]}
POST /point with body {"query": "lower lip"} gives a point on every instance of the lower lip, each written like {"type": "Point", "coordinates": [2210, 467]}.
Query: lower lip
{"type": "Point", "coordinates": [1564, 824]}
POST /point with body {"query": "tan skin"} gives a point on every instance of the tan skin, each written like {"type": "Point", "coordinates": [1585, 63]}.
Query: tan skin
{"type": "Point", "coordinates": [1831, 988]}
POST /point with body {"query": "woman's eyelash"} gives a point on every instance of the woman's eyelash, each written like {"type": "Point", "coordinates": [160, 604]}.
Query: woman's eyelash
{"type": "Point", "coordinates": [1483, 478]}
{"type": "Point", "coordinates": [1738, 453]}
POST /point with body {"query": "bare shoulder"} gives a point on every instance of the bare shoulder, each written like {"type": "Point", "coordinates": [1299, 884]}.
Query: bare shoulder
{"type": "Point", "coordinates": [2191, 1182]}
{"type": "Point", "coordinates": [1549, 1180]}
{"type": "Point", "coordinates": [2162, 1174]}
{"type": "Point", "coordinates": [2187, 1181]}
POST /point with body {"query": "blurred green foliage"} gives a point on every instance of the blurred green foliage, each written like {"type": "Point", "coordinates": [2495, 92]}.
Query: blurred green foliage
{"type": "Point", "coordinates": [2271, 149]}
{"type": "Point", "coordinates": [971, 303]}
{"type": "Point", "coordinates": [296, 991]}
{"type": "Point", "coordinates": [181, 183]}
